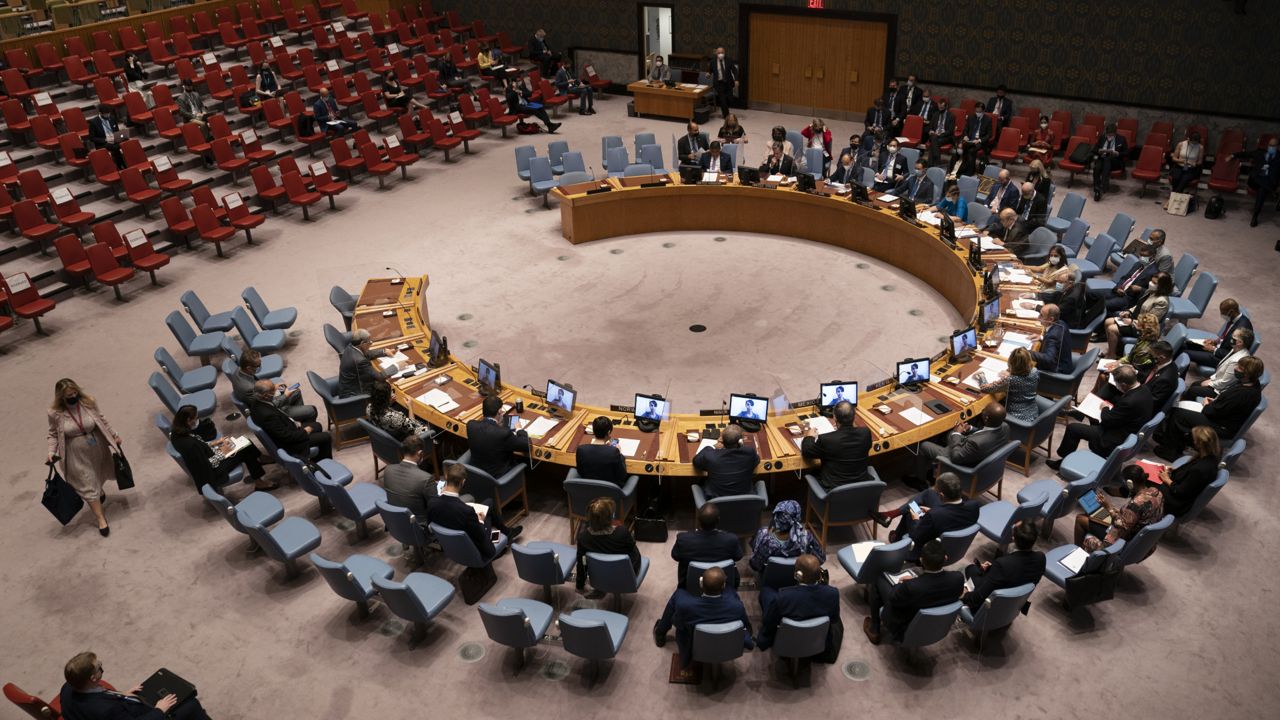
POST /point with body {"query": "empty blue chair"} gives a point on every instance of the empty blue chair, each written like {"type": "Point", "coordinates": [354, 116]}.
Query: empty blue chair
{"type": "Point", "coordinates": [813, 164]}
{"type": "Point", "coordinates": [797, 141]}
{"type": "Point", "coordinates": [996, 520]}
{"type": "Point", "coordinates": [287, 541]}
{"type": "Point", "coordinates": [717, 643]}
{"type": "Point", "coordinates": [268, 319]}
{"type": "Point", "coordinates": [262, 508]}
{"type": "Point", "coordinates": [541, 180]}
{"type": "Point", "coordinates": [986, 474]}
{"type": "Point", "coordinates": [1197, 301]}
{"type": "Point", "coordinates": [731, 149]}
{"type": "Point", "coordinates": [997, 611]}
{"type": "Point", "coordinates": [206, 321]}
{"type": "Point", "coordinates": [524, 153]}
{"type": "Point", "coordinates": [912, 155]}
{"type": "Point", "coordinates": [651, 155]}
{"type": "Point", "coordinates": [593, 635]}
{"type": "Point", "coordinates": [1118, 231]}
{"type": "Point", "coordinates": [459, 548]}
{"type": "Point", "coordinates": [264, 341]}
{"type": "Point", "coordinates": [866, 177]}
{"type": "Point", "coordinates": [617, 162]}
{"type": "Point", "coordinates": [1069, 209]}
{"type": "Point", "coordinates": [1041, 241]}
{"type": "Point", "coordinates": [204, 400]}
{"type": "Point", "coordinates": [419, 599]}
{"type": "Point", "coordinates": [300, 473]}
{"type": "Point", "coordinates": [502, 490]}
{"type": "Point", "coordinates": [956, 543]}
{"type": "Point", "coordinates": [342, 412]}
{"type": "Point", "coordinates": [405, 527]}
{"type": "Point", "coordinates": [573, 162]}
{"type": "Point", "coordinates": [642, 139]}
{"type": "Point", "coordinates": [797, 640]}
{"type": "Point", "coordinates": [848, 505]}
{"type": "Point", "coordinates": [1182, 272]}
{"type": "Point", "coordinates": [352, 579]}
{"type": "Point", "coordinates": [344, 302]}
{"type": "Point", "coordinates": [614, 574]}
{"type": "Point", "coordinates": [272, 366]}
{"type": "Point", "coordinates": [356, 502]}
{"type": "Point", "coordinates": [544, 563]}
{"type": "Point", "coordinates": [1073, 238]}
{"type": "Point", "coordinates": [573, 178]}
{"type": "Point", "coordinates": [930, 625]}
{"type": "Point", "coordinates": [518, 623]}
{"type": "Point", "coordinates": [197, 346]}
{"type": "Point", "coordinates": [968, 185]}
{"type": "Point", "coordinates": [1060, 385]}
{"type": "Point", "coordinates": [979, 214]}
{"type": "Point", "coordinates": [638, 169]}
{"type": "Point", "coordinates": [1094, 262]}
{"type": "Point", "coordinates": [1034, 434]}
{"type": "Point", "coordinates": [337, 339]}
{"type": "Point", "coordinates": [555, 154]}
{"type": "Point", "coordinates": [882, 558]}
{"type": "Point", "coordinates": [1083, 463]}
{"type": "Point", "coordinates": [188, 381]}
{"type": "Point", "coordinates": [607, 143]}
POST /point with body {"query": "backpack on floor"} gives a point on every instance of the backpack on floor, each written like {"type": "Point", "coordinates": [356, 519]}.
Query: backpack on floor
{"type": "Point", "coordinates": [524, 128]}
{"type": "Point", "coordinates": [1215, 208]}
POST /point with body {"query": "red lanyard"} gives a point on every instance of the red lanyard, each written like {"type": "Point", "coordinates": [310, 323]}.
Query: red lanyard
{"type": "Point", "coordinates": [77, 420]}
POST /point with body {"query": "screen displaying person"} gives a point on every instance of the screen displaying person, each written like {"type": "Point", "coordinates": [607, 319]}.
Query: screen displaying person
{"type": "Point", "coordinates": [916, 372]}
{"type": "Point", "coordinates": [839, 396]}
{"type": "Point", "coordinates": [749, 411]}
{"type": "Point", "coordinates": [559, 399]}
{"type": "Point", "coordinates": [651, 411]}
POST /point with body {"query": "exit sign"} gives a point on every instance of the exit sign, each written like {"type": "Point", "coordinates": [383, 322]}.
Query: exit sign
{"type": "Point", "coordinates": [816, 4]}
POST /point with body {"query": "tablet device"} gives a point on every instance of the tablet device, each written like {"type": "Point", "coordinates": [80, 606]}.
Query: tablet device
{"type": "Point", "coordinates": [162, 683]}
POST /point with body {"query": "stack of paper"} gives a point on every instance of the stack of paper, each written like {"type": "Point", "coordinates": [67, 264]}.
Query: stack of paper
{"type": "Point", "coordinates": [541, 426]}
{"type": "Point", "coordinates": [628, 446]}
{"type": "Point", "coordinates": [1017, 278]}
{"type": "Point", "coordinates": [887, 198]}
{"type": "Point", "coordinates": [1028, 304]}
{"type": "Point", "coordinates": [775, 178]}
{"type": "Point", "coordinates": [1075, 559]}
{"type": "Point", "coordinates": [706, 443]}
{"type": "Point", "coordinates": [821, 424]}
{"type": "Point", "coordinates": [863, 549]}
{"type": "Point", "coordinates": [1024, 314]}
{"type": "Point", "coordinates": [990, 243]}
{"type": "Point", "coordinates": [1092, 406]}
{"type": "Point", "coordinates": [966, 233]}
{"type": "Point", "coordinates": [1019, 339]}
{"type": "Point", "coordinates": [915, 416]}
{"type": "Point", "coordinates": [438, 399]}
{"type": "Point", "coordinates": [1192, 405]}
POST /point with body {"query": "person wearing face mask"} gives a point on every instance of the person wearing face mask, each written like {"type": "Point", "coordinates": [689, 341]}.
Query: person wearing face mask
{"type": "Point", "coordinates": [978, 131]}
{"type": "Point", "coordinates": [953, 204]}
{"type": "Point", "coordinates": [939, 132]}
{"type": "Point", "coordinates": [1109, 155]}
{"type": "Point", "coordinates": [1056, 274]}
{"type": "Point", "coordinates": [209, 461]}
{"type": "Point", "coordinates": [81, 442]}
{"type": "Point", "coordinates": [1001, 106]}
{"type": "Point", "coordinates": [926, 108]}
{"type": "Point", "coordinates": [540, 52]}
{"type": "Point", "coordinates": [1054, 355]}
{"type": "Point", "coordinates": [1225, 374]}
{"type": "Point", "coordinates": [877, 118]}
{"type": "Point", "coordinates": [658, 71]}
{"type": "Point", "coordinates": [1031, 206]}
{"type": "Point", "coordinates": [893, 167]}
{"type": "Point", "coordinates": [846, 171]}
{"type": "Point", "coordinates": [893, 97]}
{"type": "Point", "coordinates": [817, 135]}
{"type": "Point", "coordinates": [1187, 163]}
{"type": "Point", "coordinates": [1041, 142]}
{"type": "Point", "coordinates": [918, 188]}
{"type": "Point", "coordinates": [1225, 413]}
{"type": "Point", "coordinates": [1265, 176]}
{"type": "Point", "coordinates": [691, 145]}
{"type": "Point", "coordinates": [1038, 175]}
{"type": "Point", "coordinates": [724, 79]}
{"type": "Point", "coordinates": [1003, 195]}
{"type": "Point", "coordinates": [1217, 347]}
{"type": "Point", "coordinates": [779, 135]}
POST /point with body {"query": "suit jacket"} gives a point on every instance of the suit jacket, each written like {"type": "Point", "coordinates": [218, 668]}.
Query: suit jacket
{"type": "Point", "coordinates": [843, 453]}
{"type": "Point", "coordinates": [942, 517]}
{"type": "Point", "coordinates": [787, 167]}
{"type": "Point", "coordinates": [703, 546]}
{"type": "Point", "coordinates": [691, 610]}
{"type": "Point", "coordinates": [1162, 384]}
{"type": "Point", "coordinates": [908, 100]}
{"type": "Point", "coordinates": [1016, 568]}
{"type": "Point", "coordinates": [326, 110]}
{"type": "Point", "coordinates": [896, 169]}
{"type": "Point", "coordinates": [1006, 109]}
{"type": "Point", "coordinates": [98, 134]}
{"type": "Point", "coordinates": [601, 462]}
{"type": "Point", "coordinates": [190, 105]}
{"type": "Point", "coordinates": [1265, 174]}
{"type": "Point", "coordinates": [929, 590]}
{"type": "Point", "coordinates": [281, 428]}
{"type": "Point", "coordinates": [449, 511]}
{"type": "Point", "coordinates": [105, 705]}
{"type": "Point", "coordinates": [729, 470]}
{"type": "Point", "coordinates": [1124, 418]}
{"type": "Point", "coordinates": [800, 602]}
{"type": "Point", "coordinates": [1054, 354]}
{"type": "Point", "coordinates": [686, 147]}
{"type": "Point", "coordinates": [928, 113]}
{"type": "Point", "coordinates": [730, 75]}
{"type": "Point", "coordinates": [948, 125]}
{"type": "Point", "coordinates": [893, 100]}
{"type": "Point", "coordinates": [843, 175]}
{"type": "Point", "coordinates": [355, 372]}
{"type": "Point", "coordinates": [1034, 212]}
{"type": "Point", "coordinates": [1121, 148]}
{"type": "Point", "coordinates": [981, 126]}
{"type": "Point", "coordinates": [538, 47]}
{"type": "Point", "coordinates": [972, 448]}
{"type": "Point", "coordinates": [410, 487]}
{"type": "Point", "coordinates": [493, 445]}
{"type": "Point", "coordinates": [918, 188]}
{"type": "Point", "coordinates": [1001, 197]}
{"type": "Point", "coordinates": [1224, 335]}
{"type": "Point", "coordinates": [875, 118]}
{"type": "Point", "coordinates": [726, 162]}
{"type": "Point", "coordinates": [1231, 408]}
{"type": "Point", "coordinates": [1188, 482]}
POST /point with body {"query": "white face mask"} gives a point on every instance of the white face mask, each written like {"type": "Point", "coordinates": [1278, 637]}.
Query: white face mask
{"type": "Point", "coordinates": [893, 149]}
{"type": "Point", "coordinates": [1055, 260]}
{"type": "Point", "coordinates": [720, 56]}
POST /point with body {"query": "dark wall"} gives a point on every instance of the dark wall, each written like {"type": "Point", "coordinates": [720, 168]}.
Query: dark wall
{"type": "Point", "coordinates": [1184, 54]}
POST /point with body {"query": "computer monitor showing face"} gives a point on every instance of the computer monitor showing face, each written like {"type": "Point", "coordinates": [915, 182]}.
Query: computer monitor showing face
{"type": "Point", "coordinates": [832, 393]}
{"type": "Point", "coordinates": [560, 396]}
{"type": "Point", "coordinates": [489, 375]}
{"type": "Point", "coordinates": [991, 311]}
{"type": "Point", "coordinates": [911, 372]}
{"type": "Point", "coordinates": [652, 408]}
{"type": "Point", "coordinates": [742, 407]}
{"type": "Point", "coordinates": [964, 341]}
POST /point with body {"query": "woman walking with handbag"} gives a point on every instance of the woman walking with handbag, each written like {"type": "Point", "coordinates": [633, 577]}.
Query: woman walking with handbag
{"type": "Point", "coordinates": [83, 443]}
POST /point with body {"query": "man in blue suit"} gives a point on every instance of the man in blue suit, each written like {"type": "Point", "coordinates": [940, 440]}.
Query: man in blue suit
{"type": "Point", "coordinates": [718, 603]}
{"type": "Point", "coordinates": [329, 115]}
{"type": "Point", "coordinates": [715, 160]}
{"type": "Point", "coordinates": [1054, 354]}
{"type": "Point", "coordinates": [809, 599]}
{"type": "Point", "coordinates": [84, 698]}
{"type": "Point", "coordinates": [917, 188]}
{"type": "Point", "coordinates": [707, 544]}
{"type": "Point", "coordinates": [1109, 155]}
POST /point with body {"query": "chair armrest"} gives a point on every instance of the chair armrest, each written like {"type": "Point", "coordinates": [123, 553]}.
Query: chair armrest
{"type": "Point", "coordinates": [957, 469]}
{"type": "Point", "coordinates": [354, 401]}
{"type": "Point", "coordinates": [464, 458]}
{"type": "Point", "coordinates": [762, 492]}
{"type": "Point", "coordinates": [815, 490]}
{"type": "Point", "coordinates": [629, 490]}
{"type": "Point", "coordinates": [511, 475]}
{"type": "Point", "coordinates": [699, 497]}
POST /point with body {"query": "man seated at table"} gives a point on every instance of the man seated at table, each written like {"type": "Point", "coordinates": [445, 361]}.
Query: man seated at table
{"type": "Point", "coordinates": [845, 171]}
{"type": "Point", "coordinates": [809, 598]}
{"type": "Point", "coordinates": [493, 444]}
{"type": "Point", "coordinates": [714, 602]}
{"type": "Point", "coordinates": [778, 162]}
{"type": "Point", "coordinates": [892, 167]}
{"type": "Point", "coordinates": [730, 467]}
{"type": "Point", "coordinates": [843, 451]}
{"type": "Point", "coordinates": [407, 484]}
{"type": "Point", "coordinates": [917, 187]}
{"type": "Point", "coordinates": [901, 602]}
{"type": "Point", "coordinates": [450, 511]}
{"type": "Point", "coordinates": [659, 73]}
{"type": "Point", "coordinates": [707, 544]}
{"type": "Point", "coordinates": [356, 372]}
{"type": "Point", "coordinates": [1024, 565]}
{"type": "Point", "coordinates": [600, 459]}
{"type": "Point", "coordinates": [1054, 354]}
{"type": "Point", "coordinates": [967, 445]}
{"type": "Point", "coordinates": [716, 160]}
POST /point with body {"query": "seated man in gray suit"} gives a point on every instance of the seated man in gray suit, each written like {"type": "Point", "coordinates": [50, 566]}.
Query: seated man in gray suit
{"type": "Point", "coordinates": [356, 372]}
{"type": "Point", "coordinates": [290, 401]}
{"type": "Point", "coordinates": [966, 445]}
{"type": "Point", "coordinates": [407, 484]}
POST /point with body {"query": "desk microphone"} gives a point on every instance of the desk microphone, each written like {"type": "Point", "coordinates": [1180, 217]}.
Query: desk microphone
{"type": "Point", "coordinates": [394, 270]}
{"type": "Point", "coordinates": [592, 168]}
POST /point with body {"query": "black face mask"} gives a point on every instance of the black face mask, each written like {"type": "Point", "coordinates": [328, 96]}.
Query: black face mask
{"type": "Point", "coordinates": [1240, 376]}
{"type": "Point", "coordinates": [73, 400]}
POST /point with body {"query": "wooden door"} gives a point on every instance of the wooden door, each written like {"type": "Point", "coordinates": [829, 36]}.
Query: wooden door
{"type": "Point", "coordinates": [817, 62]}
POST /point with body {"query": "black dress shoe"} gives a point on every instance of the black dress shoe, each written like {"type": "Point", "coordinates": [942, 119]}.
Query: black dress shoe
{"type": "Point", "coordinates": [1097, 195]}
{"type": "Point", "coordinates": [553, 127]}
{"type": "Point", "coordinates": [1253, 221]}
{"type": "Point", "coordinates": [104, 531]}
{"type": "Point", "coordinates": [872, 635]}
{"type": "Point", "coordinates": [1053, 464]}
{"type": "Point", "coordinates": [514, 532]}
{"type": "Point", "coordinates": [659, 638]}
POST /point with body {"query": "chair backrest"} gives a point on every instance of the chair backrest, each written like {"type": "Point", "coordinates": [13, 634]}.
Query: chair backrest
{"type": "Point", "coordinates": [524, 153]}
{"type": "Point", "coordinates": [257, 305]}
{"type": "Point", "coordinates": [1206, 495]}
{"type": "Point", "coordinates": [292, 465]}
{"type": "Point", "coordinates": [386, 447]}
{"type": "Point", "coordinates": [651, 155]}
{"type": "Point", "coordinates": [1233, 453]}
{"type": "Point", "coordinates": [170, 365]}
{"type": "Point", "coordinates": [1045, 422]}
{"type": "Point", "coordinates": [1002, 607]}
{"type": "Point", "coordinates": [1101, 250]}
{"type": "Point", "coordinates": [556, 150]}
{"type": "Point", "coordinates": [1149, 426]}
{"type": "Point", "coordinates": [1111, 466]}
{"type": "Point", "coordinates": [401, 525]}
{"type": "Point", "coordinates": [338, 578]}
{"type": "Point", "coordinates": [979, 214]}
{"type": "Point", "coordinates": [642, 139]}
{"type": "Point", "coordinates": [779, 572]}
{"type": "Point", "coordinates": [1126, 265]}
{"type": "Point", "coordinates": [989, 472]}
{"type": "Point", "coordinates": [813, 161]}
{"type": "Point", "coordinates": [931, 625]}
{"type": "Point", "coordinates": [1064, 502]}
{"type": "Point", "coordinates": [401, 598]}
{"type": "Point", "coordinates": [1202, 290]}
{"type": "Point", "coordinates": [222, 505]}
{"type": "Point", "coordinates": [1071, 207]}
{"type": "Point", "coordinates": [507, 625]}
{"type": "Point", "coordinates": [1073, 238]}
{"type": "Point", "coordinates": [164, 390]}
{"type": "Point", "coordinates": [573, 162]}
{"type": "Point", "coordinates": [968, 185]}
{"type": "Point", "coordinates": [617, 160]}
{"type": "Point", "coordinates": [889, 557]}
{"type": "Point", "coordinates": [694, 574]}
{"type": "Point", "coordinates": [30, 704]}
{"type": "Point", "coordinates": [344, 303]}
{"type": "Point", "coordinates": [612, 573]}
{"type": "Point", "coordinates": [539, 566]}
{"type": "Point", "coordinates": [1121, 227]}
{"type": "Point", "coordinates": [540, 170]}
{"type": "Point", "coordinates": [582, 491]}
{"type": "Point", "coordinates": [739, 514]}
{"type": "Point", "coordinates": [1042, 238]}
{"type": "Point", "coordinates": [457, 546]}
{"type": "Point", "coordinates": [1253, 417]}
{"type": "Point", "coordinates": [1183, 271]}
{"type": "Point", "coordinates": [717, 642]}
{"type": "Point", "coordinates": [1024, 512]}
{"type": "Point", "coordinates": [337, 339]}
{"type": "Point", "coordinates": [855, 501]}
{"type": "Point", "coordinates": [261, 536]}
{"type": "Point", "coordinates": [574, 177]}
{"type": "Point", "coordinates": [638, 169]}
{"type": "Point", "coordinates": [801, 638]}
{"type": "Point", "coordinates": [585, 636]}
{"type": "Point", "coordinates": [606, 143]}
{"type": "Point", "coordinates": [938, 177]}
{"type": "Point", "coordinates": [1140, 546]}
{"type": "Point", "coordinates": [956, 542]}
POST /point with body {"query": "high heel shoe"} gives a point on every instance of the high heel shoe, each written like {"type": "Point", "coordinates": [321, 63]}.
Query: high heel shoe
{"type": "Point", "coordinates": [104, 531]}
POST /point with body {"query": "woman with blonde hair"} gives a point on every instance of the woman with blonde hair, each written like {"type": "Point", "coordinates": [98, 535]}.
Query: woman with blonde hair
{"type": "Point", "coordinates": [1183, 484]}
{"type": "Point", "coordinates": [1019, 385]}
{"type": "Point", "coordinates": [82, 443]}
{"type": "Point", "coordinates": [1040, 177]}
{"type": "Point", "coordinates": [599, 534]}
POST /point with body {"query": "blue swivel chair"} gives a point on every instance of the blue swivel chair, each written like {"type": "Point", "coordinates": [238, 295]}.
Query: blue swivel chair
{"type": "Point", "coordinates": [593, 635]}
{"type": "Point", "coordinates": [352, 579]}
{"type": "Point", "coordinates": [518, 623]}
{"type": "Point", "coordinates": [418, 600]}
{"type": "Point", "coordinates": [287, 541]}
{"type": "Point", "coordinates": [278, 319]}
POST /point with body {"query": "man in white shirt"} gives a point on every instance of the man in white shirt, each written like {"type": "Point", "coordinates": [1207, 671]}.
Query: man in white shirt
{"type": "Point", "coordinates": [1224, 377]}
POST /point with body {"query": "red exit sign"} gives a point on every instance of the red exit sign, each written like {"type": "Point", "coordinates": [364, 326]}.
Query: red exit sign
{"type": "Point", "coordinates": [817, 4]}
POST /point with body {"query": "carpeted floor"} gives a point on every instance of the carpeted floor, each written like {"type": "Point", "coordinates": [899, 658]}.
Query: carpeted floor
{"type": "Point", "coordinates": [1190, 633]}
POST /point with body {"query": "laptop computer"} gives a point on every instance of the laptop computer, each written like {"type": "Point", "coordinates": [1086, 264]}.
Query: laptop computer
{"type": "Point", "coordinates": [1094, 509]}
{"type": "Point", "coordinates": [162, 683]}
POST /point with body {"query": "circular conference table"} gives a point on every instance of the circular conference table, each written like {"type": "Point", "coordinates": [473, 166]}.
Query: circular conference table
{"type": "Point", "coordinates": [394, 310]}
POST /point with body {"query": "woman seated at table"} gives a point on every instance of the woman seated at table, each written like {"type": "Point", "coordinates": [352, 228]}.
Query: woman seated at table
{"type": "Point", "coordinates": [954, 205]}
{"type": "Point", "coordinates": [731, 131]}
{"type": "Point", "coordinates": [785, 537]}
{"type": "Point", "coordinates": [210, 461]}
{"type": "Point", "coordinates": [1056, 275]}
{"type": "Point", "coordinates": [1183, 484]}
{"type": "Point", "coordinates": [1147, 329]}
{"type": "Point", "coordinates": [1038, 175]}
{"type": "Point", "coordinates": [1019, 385]}
{"type": "Point", "coordinates": [1145, 506]}
{"type": "Point", "coordinates": [599, 534]}
{"type": "Point", "coordinates": [391, 419]}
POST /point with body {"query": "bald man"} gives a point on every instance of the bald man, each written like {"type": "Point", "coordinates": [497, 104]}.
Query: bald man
{"type": "Point", "coordinates": [1032, 207]}
{"type": "Point", "coordinates": [712, 602]}
{"type": "Point", "coordinates": [1004, 194]}
{"type": "Point", "coordinates": [289, 435]}
{"type": "Point", "coordinates": [809, 598]}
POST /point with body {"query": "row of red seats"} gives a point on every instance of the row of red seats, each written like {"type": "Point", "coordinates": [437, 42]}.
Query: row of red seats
{"type": "Point", "coordinates": [101, 260]}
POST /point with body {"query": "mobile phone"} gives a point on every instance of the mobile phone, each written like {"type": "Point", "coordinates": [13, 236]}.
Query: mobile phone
{"type": "Point", "coordinates": [494, 535]}
{"type": "Point", "coordinates": [513, 422]}
{"type": "Point", "coordinates": [915, 508]}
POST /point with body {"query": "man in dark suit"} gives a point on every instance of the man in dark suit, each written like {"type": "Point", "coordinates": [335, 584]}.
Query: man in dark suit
{"type": "Point", "coordinates": [939, 132]}
{"type": "Point", "coordinates": [978, 133]}
{"type": "Point", "coordinates": [450, 511]}
{"type": "Point", "coordinates": [926, 108]}
{"type": "Point", "coordinates": [1264, 178]}
{"type": "Point", "coordinates": [356, 372]}
{"type": "Point", "coordinates": [84, 698]}
{"type": "Point", "coordinates": [1162, 378]}
{"type": "Point", "coordinates": [894, 96]}
{"type": "Point", "coordinates": [943, 508]}
{"type": "Point", "coordinates": [1024, 565]}
{"type": "Point", "coordinates": [1054, 354]}
{"type": "Point", "coordinates": [1001, 107]}
{"type": "Point", "coordinates": [289, 435]}
{"type": "Point", "coordinates": [909, 103]}
{"type": "Point", "coordinates": [1218, 348]}
{"type": "Point", "coordinates": [407, 484]}
{"type": "Point", "coordinates": [691, 145]}
{"type": "Point", "coordinates": [493, 444]}
{"type": "Point", "coordinates": [1107, 156]}
{"type": "Point", "coordinates": [877, 119]}
{"type": "Point", "coordinates": [717, 603]}
{"type": "Point", "coordinates": [716, 160]}
{"type": "Point", "coordinates": [1130, 287]}
{"type": "Point", "coordinates": [1117, 422]}
{"type": "Point", "coordinates": [540, 52]}
{"type": "Point", "coordinates": [967, 445]}
{"type": "Point", "coordinates": [778, 162]}
{"type": "Point", "coordinates": [1003, 194]}
{"type": "Point", "coordinates": [730, 467]}
{"type": "Point", "coordinates": [1226, 412]}
{"type": "Point", "coordinates": [246, 377]}
{"type": "Point", "coordinates": [843, 451]}
{"type": "Point", "coordinates": [104, 133]}
{"type": "Point", "coordinates": [916, 188]}
{"type": "Point", "coordinates": [328, 114]}
{"type": "Point", "coordinates": [707, 544]}
{"type": "Point", "coordinates": [846, 170]}
{"type": "Point", "coordinates": [892, 167]}
{"type": "Point", "coordinates": [855, 150]}
{"type": "Point", "coordinates": [902, 601]}
{"type": "Point", "coordinates": [1032, 207]}
{"type": "Point", "coordinates": [724, 79]}
{"type": "Point", "coordinates": [807, 600]}
{"type": "Point", "coordinates": [1011, 232]}
{"type": "Point", "coordinates": [600, 459]}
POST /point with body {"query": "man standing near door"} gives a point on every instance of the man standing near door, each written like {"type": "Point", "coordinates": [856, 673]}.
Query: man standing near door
{"type": "Point", "coordinates": [724, 78]}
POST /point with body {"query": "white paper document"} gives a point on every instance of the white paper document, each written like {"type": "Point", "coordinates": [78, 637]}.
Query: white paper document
{"type": "Point", "coordinates": [988, 243]}
{"type": "Point", "coordinates": [438, 399]}
{"type": "Point", "coordinates": [775, 178]}
{"type": "Point", "coordinates": [966, 233]}
{"type": "Point", "coordinates": [915, 416]}
{"type": "Point", "coordinates": [628, 446]}
{"type": "Point", "coordinates": [706, 443]}
{"type": "Point", "coordinates": [887, 198]}
{"type": "Point", "coordinates": [863, 549]}
{"type": "Point", "coordinates": [541, 426]}
{"type": "Point", "coordinates": [1024, 314]}
{"type": "Point", "coordinates": [1075, 559]}
{"type": "Point", "coordinates": [1192, 405]}
{"type": "Point", "coordinates": [821, 424]}
{"type": "Point", "coordinates": [1092, 406]}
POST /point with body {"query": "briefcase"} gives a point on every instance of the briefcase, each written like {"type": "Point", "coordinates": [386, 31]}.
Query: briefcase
{"type": "Point", "coordinates": [59, 497]}
{"type": "Point", "coordinates": [165, 682]}
{"type": "Point", "coordinates": [651, 529]}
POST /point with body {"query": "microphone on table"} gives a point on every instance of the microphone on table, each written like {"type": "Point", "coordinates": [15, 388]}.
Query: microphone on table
{"type": "Point", "coordinates": [592, 168]}
{"type": "Point", "coordinates": [394, 270]}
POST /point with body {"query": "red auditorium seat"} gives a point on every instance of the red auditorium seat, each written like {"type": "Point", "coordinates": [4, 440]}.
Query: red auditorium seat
{"type": "Point", "coordinates": [397, 154]}
{"type": "Point", "coordinates": [239, 217]}
{"type": "Point", "coordinates": [415, 138]}
{"type": "Point", "coordinates": [106, 269]}
{"type": "Point", "coordinates": [44, 133]}
{"type": "Point", "coordinates": [251, 146]}
{"type": "Point", "coordinates": [225, 158]}
{"type": "Point", "coordinates": [343, 159]}
{"type": "Point", "coordinates": [209, 229]}
{"type": "Point", "coordinates": [75, 263]}
{"type": "Point", "coordinates": [143, 255]}
{"type": "Point", "coordinates": [137, 190]}
{"type": "Point", "coordinates": [375, 111]}
{"type": "Point", "coordinates": [76, 72]}
{"type": "Point", "coordinates": [33, 187]}
{"type": "Point", "coordinates": [325, 184]}
{"type": "Point", "coordinates": [374, 164]}
{"type": "Point", "coordinates": [105, 170]}
{"type": "Point", "coordinates": [913, 129]}
{"type": "Point", "coordinates": [298, 193]}
{"type": "Point", "coordinates": [1225, 177]}
{"type": "Point", "coordinates": [68, 211]}
{"type": "Point", "coordinates": [265, 185]}
{"type": "Point", "coordinates": [1066, 164]}
{"type": "Point", "coordinates": [167, 125]}
{"type": "Point", "coordinates": [167, 177]}
{"type": "Point", "coordinates": [104, 66]}
{"type": "Point", "coordinates": [25, 300]}
{"type": "Point", "coordinates": [499, 118]}
{"type": "Point", "coordinates": [177, 220]}
{"type": "Point", "coordinates": [440, 139]}
{"type": "Point", "coordinates": [467, 109]}
{"type": "Point", "coordinates": [1149, 166]}
{"type": "Point", "coordinates": [74, 152]}
{"type": "Point", "coordinates": [1006, 149]}
{"type": "Point", "coordinates": [32, 225]}
{"type": "Point", "coordinates": [15, 85]}
{"type": "Point", "coordinates": [107, 234]}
